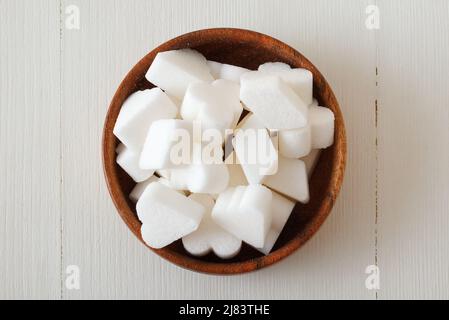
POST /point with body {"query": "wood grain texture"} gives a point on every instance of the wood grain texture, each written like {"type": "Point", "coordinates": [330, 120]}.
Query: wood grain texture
{"type": "Point", "coordinates": [51, 130]}
{"type": "Point", "coordinates": [114, 35]}
{"type": "Point", "coordinates": [414, 150]}
{"type": "Point", "coordinates": [29, 156]}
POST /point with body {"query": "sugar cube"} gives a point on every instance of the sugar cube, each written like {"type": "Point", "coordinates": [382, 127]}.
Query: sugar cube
{"type": "Point", "coordinates": [171, 185]}
{"type": "Point", "coordinates": [166, 215]}
{"type": "Point", "coordinates": [314, 103]}
{"type": "Point", "coordinates": [202, 175]}
{"type": "Point", "coordinates": [254, 149]}
{"type": "Point", "coordinates": [138, 190]}
{"type": "Point", "coordinates": [209, 236]}
{"type": "Point", "coordinates": [173, 71]}
{"type": "Point", "coordinates": [281, 210]}
{"type": "Point", "coordinates": [214, 68]}
{"type": "Point", "coordinates": [311, 161]}
{"type": "Point", "coordinates": [295, 143]}
{"type": "Point", "coordinates": [236, 175]}
{"type": "Point", "coordinates": [290, 179]}
{"type": "Point", "coordinates": [273, 101]}
{"type": "Point", "coordinates": [216, 105]}
{"type": "Point", "coordinates": [245, 212]}
{"type": "Point", "coordinates": [299, 79]}
{"type": "Point", "coordinates": [226, 71]}
{"type": "Point", "coordinates": [128, 160]}
{"type": "Point", "coordinates": [322, 125]}
{"type": "Point", "coordinates": [163, 173]}
{"type": "Point", "coordinates": [274, 67]}
{"type": "Point", "coordinates": [138, 113]}
{"type": "Point", "coordinates": [159, 150]}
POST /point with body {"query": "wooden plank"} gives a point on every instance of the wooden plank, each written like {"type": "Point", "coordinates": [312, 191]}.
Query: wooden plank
{"type": "Point", "coordinates": [413, 150]}
{"type": "Point", "coordinates": [29, 157]}
{"type": "Point", "coordinates": [113, 36]}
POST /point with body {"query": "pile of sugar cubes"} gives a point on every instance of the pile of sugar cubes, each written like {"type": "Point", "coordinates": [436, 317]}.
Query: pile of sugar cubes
{"type": "Point", "coordinates": [220, 153]}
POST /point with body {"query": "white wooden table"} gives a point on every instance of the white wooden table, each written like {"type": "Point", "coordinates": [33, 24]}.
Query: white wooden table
{"type": "Point", "coordinates": [56, 83]}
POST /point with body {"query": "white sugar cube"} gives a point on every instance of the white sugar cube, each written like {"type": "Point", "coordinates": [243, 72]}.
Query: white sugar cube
{"type": "Point", "coordinates": [237, 114]}
{"type": "Point", "coordinates": [214, 68]}
{"type": "Point", "coordinates": [236, 199]}
{"type": "Point", "coordinates": [295, 143]}
{"type": "Point", "coordinates": [202, 175]}
{"type": "Point", "coordinates": [159, 150]}
{"type": "Point", "coordinates": [273, 101]}
{"type": "Point", "coordinates": [236, 175]}
{"type": "Point", "coordinates": [169, 184]}
{"type": "Point", "coordinates": [270, 241]}
{"type": "Point", "coordinates": [226, 71]}
{"type": "Point", "coordinates": [173, 71]}
{"type": "Point", "coordinates": [300, 80]}
{"type": "Point", "coordinates": [201, 178]}
{"type": "Point", "coordinates": [245, 212]}
{"type": "Point", "coordinates": [138, 190]}
{"type": "Point", "coordinates": [216, 105]}
{"type": "Point", "coordinates": [128, 160]}
{"type": "Point", "coordinates": [290, 179]}
{"type": "Point", "coordinates": [281, 210]}
{"type": "Point", "coordinates": [166, 215]}
{"type": "Point", "coordinates": [311, 161]}
{"type": "Point", "coordinates": [254, 149]}
{"type": "Point", "coordinates": [222, 201]}
{"type": "Point", "coordinates": [137, 114]}
{"type": "Point", "coordinates": [209, 236]}
{"type": "Point", "coordinates": [163, 173]}
{"type": "Point", "coordinates": [232, 99]}
{"type": "Point", "coordinates": [232, 73]}
{"type": "Point", "coordinates": [314, 103]}
{"type": "Point", "coordinates": [274, 67]}
{"type": "Point", "coordinates": [322, 125]}
{"type": "Point", "coordinates": [177, 102]}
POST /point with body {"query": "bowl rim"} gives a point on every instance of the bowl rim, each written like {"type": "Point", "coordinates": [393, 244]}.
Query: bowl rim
{"type": "Point", "coordinates": [224, 268]}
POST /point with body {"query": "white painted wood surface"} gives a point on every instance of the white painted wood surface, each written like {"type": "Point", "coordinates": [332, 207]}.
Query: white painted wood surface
{"type": "Point", "coordinates": [55, 89]}
{"type": "Point", "coordinates": [30, 150]}
{"type": "Point", "coordinates": [414, 150]}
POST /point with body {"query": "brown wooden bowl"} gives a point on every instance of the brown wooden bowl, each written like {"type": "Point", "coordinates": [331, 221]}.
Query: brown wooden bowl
{"type": "Point", "coordinates": [246, 49]}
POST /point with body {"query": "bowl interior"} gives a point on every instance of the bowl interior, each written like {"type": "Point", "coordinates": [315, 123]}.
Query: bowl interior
{"type": "Point", "coordinates": [246, 49]}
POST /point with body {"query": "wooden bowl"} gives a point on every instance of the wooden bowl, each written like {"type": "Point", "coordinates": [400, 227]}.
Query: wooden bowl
{"type": "Point", "coordinates": [246, 49]}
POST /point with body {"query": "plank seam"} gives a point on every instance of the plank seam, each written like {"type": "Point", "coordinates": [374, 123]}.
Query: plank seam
{"type": "Point", "coordinates": [61, 295]}
{"type": "Point", "coordinates": [376, 121]}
